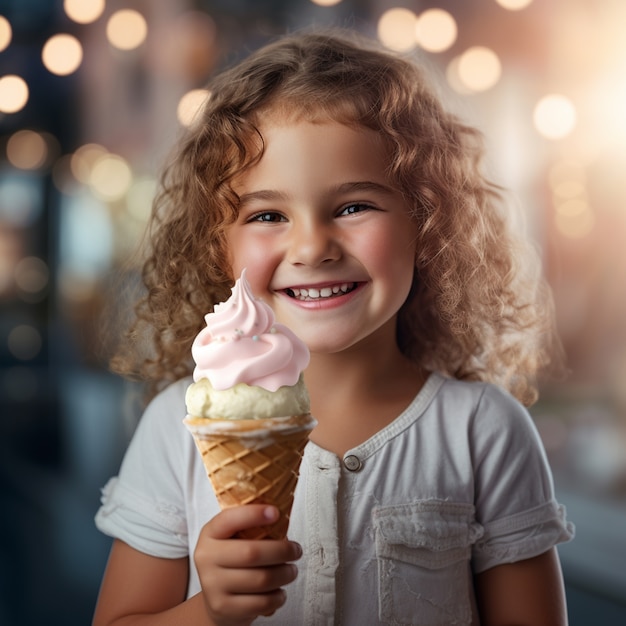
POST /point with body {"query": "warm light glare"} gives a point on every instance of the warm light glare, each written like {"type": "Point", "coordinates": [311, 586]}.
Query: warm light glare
{"type": "Point", "coordinates": [396, 29]}
{"type": "Point", "coordinates": [27, 150]}
{"type": "Point", "coordinates": [569, 189]}
{"type": "Point", "coordinates": [127, 29]}
{"type": "Point", "coordinates": [514, 5]}
{"type": "Point", "coordinates": [13, 94]}
{"type": "Point", "coordinates": [326, 3]}
{"type": "Point", "coordinates": [479, 68]}
{"type": "Point", "coordinates": [453, 78]}
{"type": "Point", "coordinates": [566, 171]}
{"type": "Point", "coordinates": [62, 54]}
{"type": "Point", "coordinates": [436, 30]}
{"type": "Point", "coordinates": [575, 225]}
{"type": "Point", "coordinates": [5, 33]}
{"type": "Point", "coordinates": [84, 159]}
{"type": "Point", "coordinates": [190, 105]}
{"type": "Point", "coordinates": [83, 11]}
{"type": "Point", "coordinates": [111, 177]}
{"type": "Point", "coordinates": [572, 207]}
{"type": "Point", "coordinates": [554, 117]}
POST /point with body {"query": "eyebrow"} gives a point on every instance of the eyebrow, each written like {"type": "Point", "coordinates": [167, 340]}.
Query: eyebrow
{"type": "Point", "coordinates": [270, 195]}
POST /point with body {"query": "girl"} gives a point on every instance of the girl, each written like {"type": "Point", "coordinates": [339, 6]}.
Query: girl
{"type": "Point", "coordinates": [424, 496]}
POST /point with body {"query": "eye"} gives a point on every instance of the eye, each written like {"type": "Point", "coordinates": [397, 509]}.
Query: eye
{"type": "Point", "coordinates": [268, 217]}
{"type": "Point", "coordinates": [354, 208]}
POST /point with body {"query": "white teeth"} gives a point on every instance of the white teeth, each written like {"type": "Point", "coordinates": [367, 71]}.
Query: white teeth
{"type": "Point", "coordinates": [325, 292]}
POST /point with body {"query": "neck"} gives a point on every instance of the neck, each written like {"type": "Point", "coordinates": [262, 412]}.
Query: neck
{"type": "Point", "coordinates": [356, 392]}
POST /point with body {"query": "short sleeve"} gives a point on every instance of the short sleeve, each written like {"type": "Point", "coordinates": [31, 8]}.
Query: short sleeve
{"type": "Point", "coordinates": [145, 505]}
{"type": "Point", "coordinates": [515, 500]}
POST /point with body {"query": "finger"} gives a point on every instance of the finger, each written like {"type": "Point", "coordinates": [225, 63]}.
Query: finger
{"type": "Point", "coordinates": [247, 553]}
{"type": "Point", "coordinates": [258, 580]}
{"type": "Point", "coordinates": [230, 521]}
{"type": "Point", "coordinates": [248, 605]}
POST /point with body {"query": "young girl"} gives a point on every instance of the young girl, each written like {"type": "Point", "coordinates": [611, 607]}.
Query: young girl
{"type": "Point", "coordinates": [329, 170]}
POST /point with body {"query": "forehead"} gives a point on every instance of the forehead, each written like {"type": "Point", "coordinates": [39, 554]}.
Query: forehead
{"type": "Point", "coordinates": [302, 154]}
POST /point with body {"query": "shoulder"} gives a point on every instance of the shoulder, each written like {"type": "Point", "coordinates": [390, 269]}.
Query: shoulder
{"type": "Point", "coordinates": [484, 403]}
{"type": "Point", "coordinates": [161, 433]}
{"type": "Point", "coordinates": [166, 410]}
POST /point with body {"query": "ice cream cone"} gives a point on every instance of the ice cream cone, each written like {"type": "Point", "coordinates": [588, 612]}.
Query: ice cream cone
{"type": "Point", "coordinates": [253, 461]}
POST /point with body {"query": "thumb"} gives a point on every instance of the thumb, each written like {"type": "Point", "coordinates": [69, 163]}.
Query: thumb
{"type": "Point", "coordinates": [232, 520]}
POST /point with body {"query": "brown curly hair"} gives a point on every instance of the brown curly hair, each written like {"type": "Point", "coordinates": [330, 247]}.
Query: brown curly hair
{"type": "Point", "coordinates": [478, 308]}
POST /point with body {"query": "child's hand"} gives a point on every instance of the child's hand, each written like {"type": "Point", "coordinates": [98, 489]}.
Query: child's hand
{"type": "Point", "coordinates": [242, 579]}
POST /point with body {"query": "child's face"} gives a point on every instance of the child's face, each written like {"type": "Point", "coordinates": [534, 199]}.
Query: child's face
{"type": "Point", "coordinates": [318, 216]}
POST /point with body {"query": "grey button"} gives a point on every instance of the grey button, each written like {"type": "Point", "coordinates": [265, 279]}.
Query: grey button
{"type": "Point", "coordinates": [352, 463]}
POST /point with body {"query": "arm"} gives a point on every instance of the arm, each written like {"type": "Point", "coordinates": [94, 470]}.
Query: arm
{"type": "Point", "coordinates": [241, 579]}
{"type": "Point", "coordinates": [526, 593]}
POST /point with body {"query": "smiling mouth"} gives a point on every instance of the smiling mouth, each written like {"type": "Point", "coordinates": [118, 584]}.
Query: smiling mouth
{"type": "Point", "coordinates": [313, 293]}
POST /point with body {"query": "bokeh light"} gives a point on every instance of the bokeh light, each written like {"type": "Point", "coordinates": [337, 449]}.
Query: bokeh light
{"type": "Point", "coordinates": [514, 5]}
{"type": "Point", "coordinates": [190, 106]}
{"type": "Point", "coordinates": [397, 29]}
{"type": "Point", "coordinates": [479, 68]}
{"type": "Point", "coordinates": [126, 29]}
{"type": "Point", "coordinates": [6, 33]}
{"type": "Point", "coordinates": [13, 94]}
{"type": "Point", "coordinates": [326, 3]}
{"type": "Point", "coordinates": [83, 11]}
{"type": "Point", "coordinates": [27, 150]}
{"type": "Point", "coordinates": [24, 342]}
{"type": "Point", "coordinates": [62, 54]}
{"type": "Point", "coordinates": [84, 159]}
{"type": "Point", "coordinates": [110, 177]}
{"type": "Point", "coordinates": [32, 275]}
{"type": "Point", "coordinates": [436, 30]}
{"type": "Point", "coordinates": [554, 116]}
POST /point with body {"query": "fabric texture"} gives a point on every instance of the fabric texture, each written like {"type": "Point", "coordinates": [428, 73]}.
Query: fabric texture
{"type": "Point", "coordinates": [393, 532]}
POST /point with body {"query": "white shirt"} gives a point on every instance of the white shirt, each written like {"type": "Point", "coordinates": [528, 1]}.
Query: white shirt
{"type": "Point", "coordinates": [391, 533]}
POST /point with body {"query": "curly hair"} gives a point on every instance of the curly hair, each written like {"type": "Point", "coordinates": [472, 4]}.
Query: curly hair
{"type": "Point", "coordinates": [478, 308]}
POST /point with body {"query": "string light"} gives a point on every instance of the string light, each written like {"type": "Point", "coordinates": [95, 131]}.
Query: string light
{"type": "Point", "coordinates": [27, 150]}
{"type": "Point", "coordinates": [6, 33]}
{"type": "Point", "coordinates": [554, 116]}
{"type": "Point", "coordinates": [479, 68]}
{"type": "Point", "coordinates": [13, 94]}
{"type": "Point", "coordinates": [110, 177]}
{"type": "Point", "coordinates": [126, 29]}
{"type": "Point", "coordinates": [84, 11]}
{"type": "Point", "coordinates": [514, 5]}
{"type": "Point", "coordinates": [397, 29]}
{"type": "Point", "coordinates": [436, 30]}
{"type": "Point", "coordinates": [190, 105]}
{"type": "Point", "coordinates": [62, 54]}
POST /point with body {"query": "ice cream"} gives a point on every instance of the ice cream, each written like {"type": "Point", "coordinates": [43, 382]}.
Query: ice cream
{"type": "Point", "coordinates": [248, 408]}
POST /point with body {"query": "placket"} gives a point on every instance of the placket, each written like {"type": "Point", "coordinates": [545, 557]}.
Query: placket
{"type": "Point", "coordinates": [323, 540]}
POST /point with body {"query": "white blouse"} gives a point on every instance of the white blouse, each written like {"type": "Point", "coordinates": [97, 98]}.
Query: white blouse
{"type": "Point", "coordinates": [391, 533]}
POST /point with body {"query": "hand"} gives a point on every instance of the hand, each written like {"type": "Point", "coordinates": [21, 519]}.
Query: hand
{"type": "Point", "coordinates": [241, 578]}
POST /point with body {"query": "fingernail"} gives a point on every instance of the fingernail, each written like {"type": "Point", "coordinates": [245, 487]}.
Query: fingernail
{"type": "Point", "coordinates": [298, 549]}
{"type": "Point", "coordinates": [270, 513]}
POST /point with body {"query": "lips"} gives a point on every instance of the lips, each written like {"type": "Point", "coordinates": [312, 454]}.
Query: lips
{"type": "Point", "coordinates": [309, 294]}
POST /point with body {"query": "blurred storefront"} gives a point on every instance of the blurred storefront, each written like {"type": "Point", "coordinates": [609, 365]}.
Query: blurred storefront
{"type": "Point", "coordinates": [92, 95]}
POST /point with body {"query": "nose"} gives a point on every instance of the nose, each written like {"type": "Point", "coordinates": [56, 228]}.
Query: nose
{"type": "Point", "coordinates": [313, 243]}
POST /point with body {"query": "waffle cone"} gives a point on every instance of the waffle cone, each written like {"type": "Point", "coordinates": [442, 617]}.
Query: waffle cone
{"type": "Point", "coordinates": [253, 462]}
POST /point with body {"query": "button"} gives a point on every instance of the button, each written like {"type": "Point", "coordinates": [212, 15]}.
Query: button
{"type": "Point", "coordinates": [352, 463]}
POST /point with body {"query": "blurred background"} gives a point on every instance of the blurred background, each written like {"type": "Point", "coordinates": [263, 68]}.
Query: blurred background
{"type": "Point", "coordinates": [92, 96]}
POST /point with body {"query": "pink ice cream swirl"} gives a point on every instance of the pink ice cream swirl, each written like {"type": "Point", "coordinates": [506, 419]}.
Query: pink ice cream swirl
{"type": "Point", "coordinates": [243, 343]}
